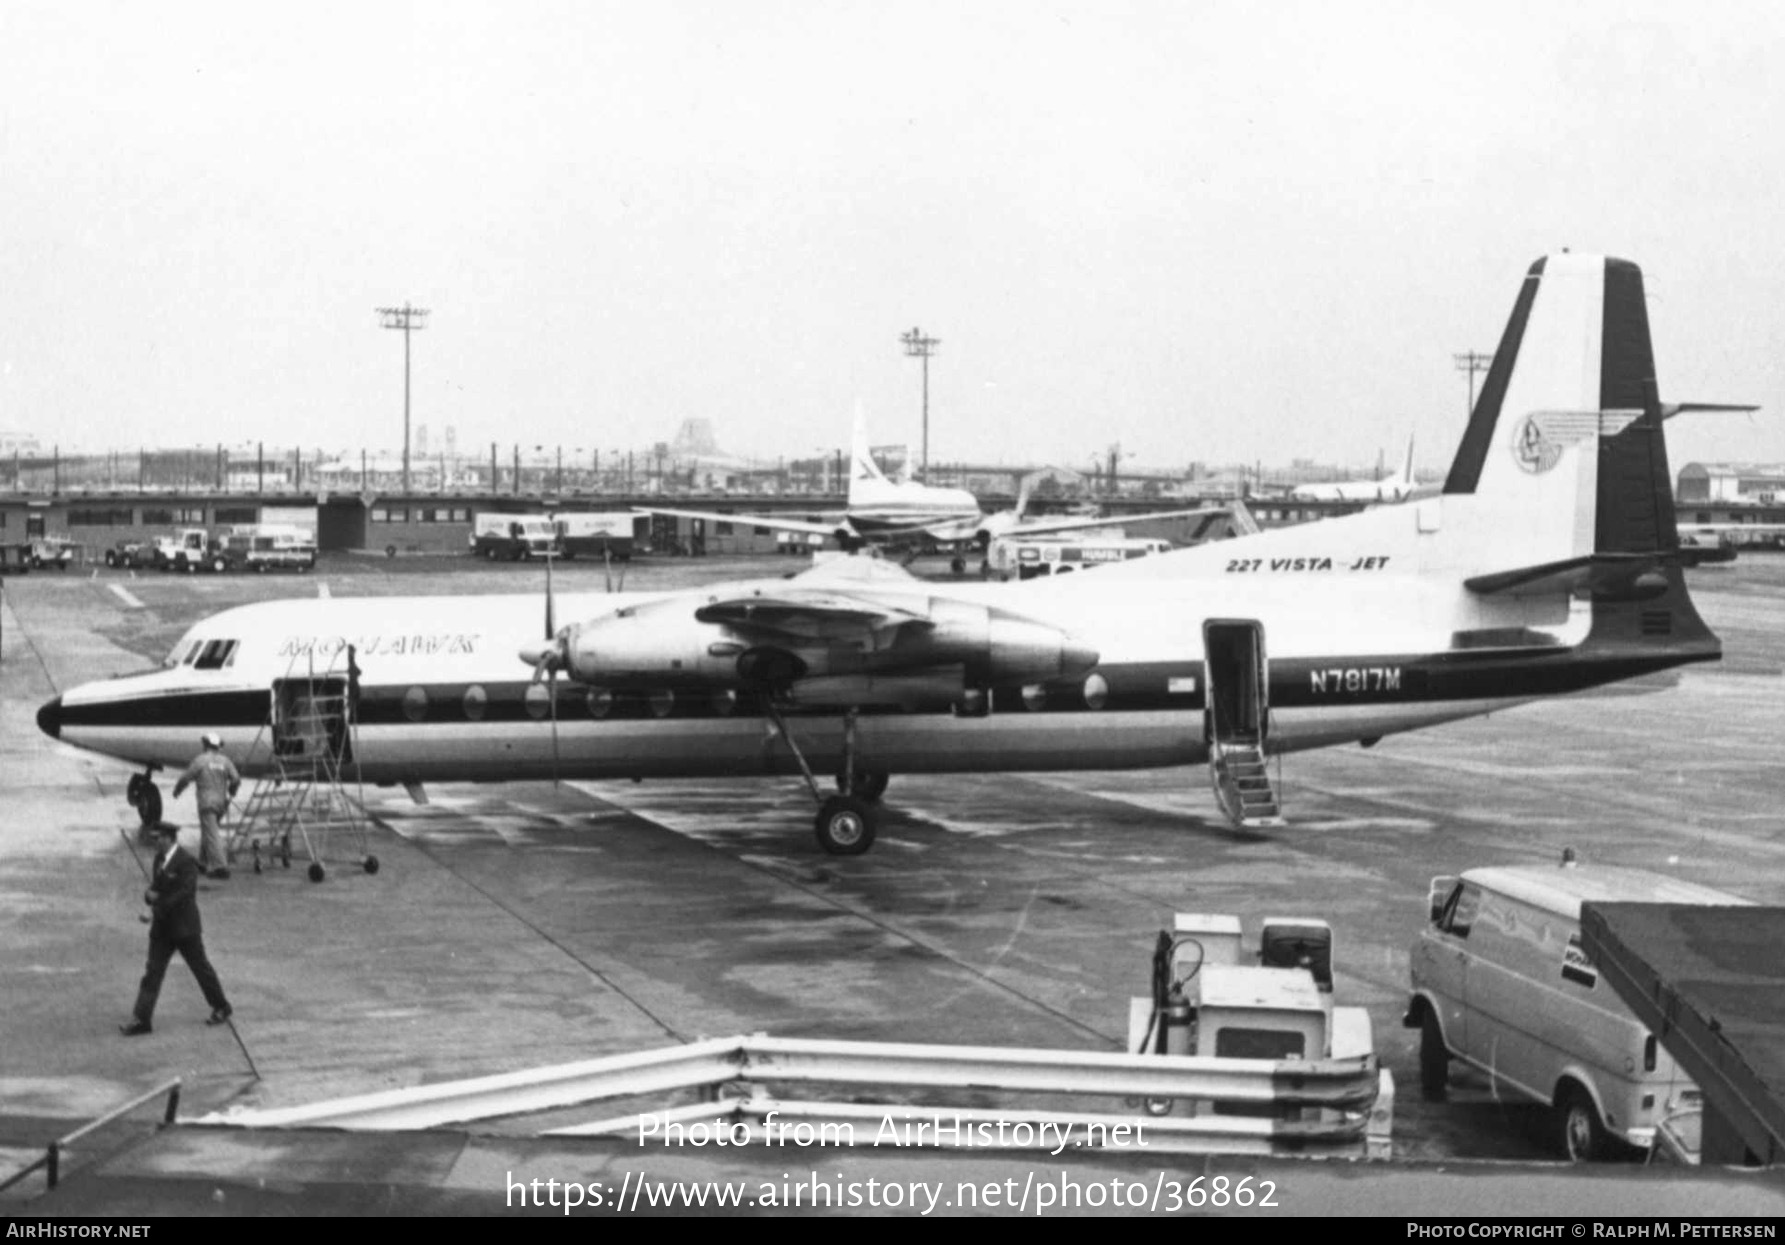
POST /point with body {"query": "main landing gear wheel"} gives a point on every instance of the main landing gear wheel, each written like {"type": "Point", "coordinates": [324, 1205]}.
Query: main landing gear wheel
{"type": "Point", "coordinates": [317, 872]}
{"type": "Point", "coordinates": [371, 864]}
{"type": "Point", "coordinates": [845, 825]}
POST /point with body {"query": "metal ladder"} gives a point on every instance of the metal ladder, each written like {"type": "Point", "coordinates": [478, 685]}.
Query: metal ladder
{"type": "Point", "coordinates": [309, 728]}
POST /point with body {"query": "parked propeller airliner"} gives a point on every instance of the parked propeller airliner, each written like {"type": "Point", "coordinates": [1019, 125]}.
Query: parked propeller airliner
{"type": "Point", "coordinates": [1388, 489]}
{"type": "Point", "coordinates": [1550, 563]}
{"type": "Point", "coordinates": [905, 513]}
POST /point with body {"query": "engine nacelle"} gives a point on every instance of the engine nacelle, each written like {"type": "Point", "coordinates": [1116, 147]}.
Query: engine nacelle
{"type": "Point", "coordinates": [993, 645]}
{"type": "Point", "coordinates": [662, 644]}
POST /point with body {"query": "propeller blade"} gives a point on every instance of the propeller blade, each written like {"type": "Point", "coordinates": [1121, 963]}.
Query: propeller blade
{"type": "Point", "coordinates": [550, 629]}
{"type": "Point", "coordinates": [622, 586]}
{"type": "Point", "coordinates": [553, 699]}
{"type": "Point", "coordinates": [607, 565]}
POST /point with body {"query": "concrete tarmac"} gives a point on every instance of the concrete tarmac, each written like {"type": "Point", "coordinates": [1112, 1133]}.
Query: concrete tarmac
{"type": "Point", "coordinates": [528, 924]}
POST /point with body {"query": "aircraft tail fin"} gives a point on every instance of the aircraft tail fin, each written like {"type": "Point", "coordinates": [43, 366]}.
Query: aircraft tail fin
{"type": "Point", "coordinates": [1022, 495]}
{"type": "Point", "coordinates": [1565, 444]}
{"type": "Point", "coordinates": [862, 467]}
{"type": "Point", "coordinates": [1566, 457]}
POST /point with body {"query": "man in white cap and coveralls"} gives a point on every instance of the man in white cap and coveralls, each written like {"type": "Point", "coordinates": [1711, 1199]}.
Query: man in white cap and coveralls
{"type": "Point", "coordinates": [215, 777]}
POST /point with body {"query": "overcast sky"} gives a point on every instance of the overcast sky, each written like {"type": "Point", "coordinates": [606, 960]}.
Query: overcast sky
{"type": "Point", "coordinates": [1207, 231]}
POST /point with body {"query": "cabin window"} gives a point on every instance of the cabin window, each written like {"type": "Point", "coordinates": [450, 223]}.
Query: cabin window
{"type": "Point", "coordinates": [1096, 691]}
{"type": "Point", "coordinates": [662, 703]}
{"type": "Point", "coordinates": [415, 704]}
{"type": "Point", "coordinates": [538, 700]}
{"type": "Point", "coordinates": [600, 702]}
{"type": "Point", "coordinates": [476, 701]}
{"type": "Point", "coordinates": [1034, 697]}
{"type": "Point", "coordinates": [725, 703]}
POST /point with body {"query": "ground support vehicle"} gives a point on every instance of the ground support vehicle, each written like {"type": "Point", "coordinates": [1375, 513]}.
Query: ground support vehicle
{"type": "Point", "coordinates": [195, 549]}
{"type": "Point", "coordinates": [270, 547]}
{"type": "Point", "coordinates": [1500, 983]}
{"type": "Point", "coordinates": [52, 552]}
{"type": "Point", "coordinates": [131, 554]}
{"type": "Point", "coordinates": [1037, 556]}
{"type": "Point", "coordinates": [513, 537]}
{"type": "Point", "coordinates": [1213, 1000]}
{"type": "Point", "coordinates": [615, 534]}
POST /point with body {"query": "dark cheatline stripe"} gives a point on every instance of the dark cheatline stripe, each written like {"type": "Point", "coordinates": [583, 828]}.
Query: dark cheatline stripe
{"type": "Point", "coordinates": [194, 709]}
{"type": "Point", "coordinates": [1465, 471]}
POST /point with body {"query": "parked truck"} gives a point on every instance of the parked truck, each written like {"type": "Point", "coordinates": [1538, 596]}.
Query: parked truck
{"type": "Point", "coordinates": [616, 534]}
{"type": "Point", "coordinates": [195, 549]}
{"type": "Point", "coordinates": [263, 547]}
{"type": "Point", "coordinates": [513, 537]}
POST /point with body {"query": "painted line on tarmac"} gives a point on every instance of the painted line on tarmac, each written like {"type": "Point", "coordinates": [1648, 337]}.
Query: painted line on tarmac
{"type": "Point", "coordinates": [123, 594]}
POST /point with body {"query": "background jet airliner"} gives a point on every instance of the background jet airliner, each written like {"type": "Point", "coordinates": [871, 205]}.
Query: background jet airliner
{"type": "Point", "coordinates": [906, 513]}
{"type": "Point", "coordinates": [1549, 563]}
{"type": "Point", "coordinates": [1389, 489]}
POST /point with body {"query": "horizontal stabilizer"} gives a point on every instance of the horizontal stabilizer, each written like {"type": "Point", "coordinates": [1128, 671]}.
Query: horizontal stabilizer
{"type": "Point", "coordinates": [1616, 573]}
{"type": "Point", "coordinates": [1670, 409]}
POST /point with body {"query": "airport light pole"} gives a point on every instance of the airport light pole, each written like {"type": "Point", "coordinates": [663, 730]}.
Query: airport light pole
{"type": "Point", "coordinates": [1472, 361]}
{"type": "Point", "coordinates": [408, 319]}
{"type": "Point", "coordinates": [921, 347]}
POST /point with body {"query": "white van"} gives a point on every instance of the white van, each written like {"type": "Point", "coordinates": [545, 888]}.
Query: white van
{"type": "Point", "coordinates": [1500, 982]}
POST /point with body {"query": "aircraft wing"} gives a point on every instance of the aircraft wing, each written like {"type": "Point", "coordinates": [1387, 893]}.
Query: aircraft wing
{"type": "Point", "coordinates": [1046, 527]}
{"type": "Point", "coordinates": [775, 522]}
{"type": "Point", "coordinates": [807, 613]}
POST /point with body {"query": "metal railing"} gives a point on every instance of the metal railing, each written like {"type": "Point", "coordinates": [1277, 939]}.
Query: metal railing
{"type": "Point", "coordinates": [1344, 1105]}
{"type": "Point", "coordinates": [52, 1159]}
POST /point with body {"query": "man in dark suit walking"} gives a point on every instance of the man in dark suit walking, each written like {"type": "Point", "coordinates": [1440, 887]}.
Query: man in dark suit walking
{"type": "Point", "coordinates": [174, 926]}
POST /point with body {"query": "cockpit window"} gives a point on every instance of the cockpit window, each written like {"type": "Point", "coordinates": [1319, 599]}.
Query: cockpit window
{"type": "Point", "coordinates": [216, 655]}
{"type": "Point", "coordinates": [184, 653]}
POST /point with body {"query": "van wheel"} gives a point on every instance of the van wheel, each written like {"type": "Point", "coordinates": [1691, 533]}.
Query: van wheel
{"type": "Point", "coordinates": [1434, 1060]}
{"type": "Point", "coordinates": [1583, 1138]}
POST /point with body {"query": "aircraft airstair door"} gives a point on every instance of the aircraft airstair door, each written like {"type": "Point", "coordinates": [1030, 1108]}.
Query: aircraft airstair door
{"type": "Point", "coordinates": [312, 721]}
{"type": "Point", "coordinates": [1236, 720]}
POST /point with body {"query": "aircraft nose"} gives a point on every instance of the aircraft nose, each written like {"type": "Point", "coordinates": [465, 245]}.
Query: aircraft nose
{"type": "Point", "coordinates": [49, 718]}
